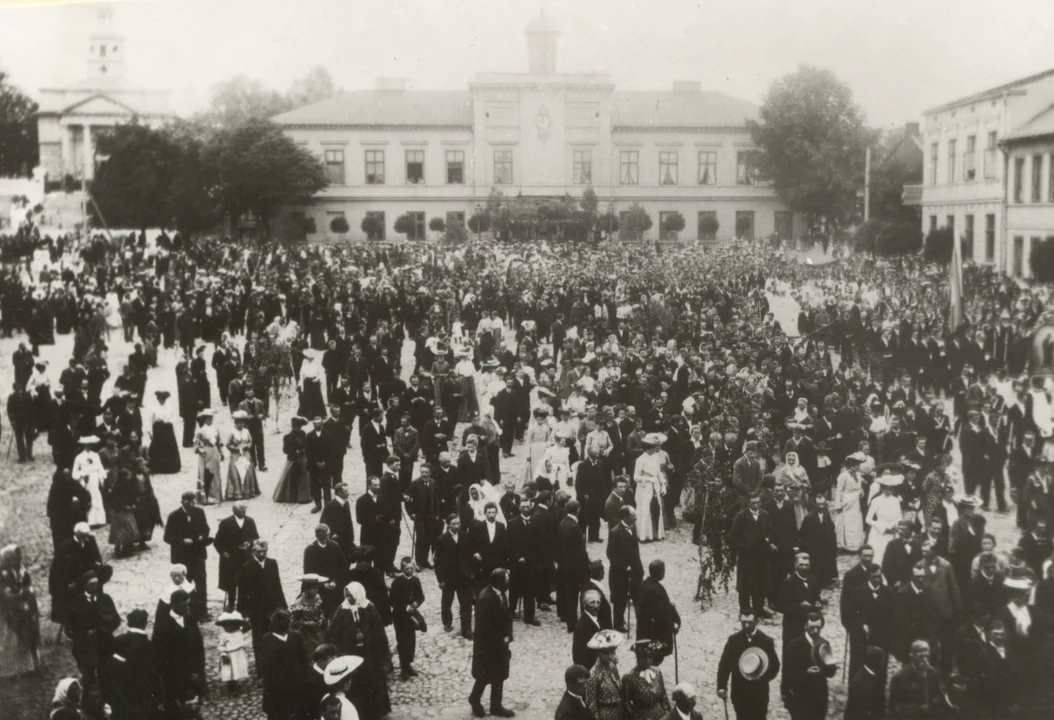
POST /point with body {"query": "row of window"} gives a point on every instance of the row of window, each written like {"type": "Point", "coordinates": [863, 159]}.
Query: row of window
{"type": "Point", "coordinates": [969, 160]}
{"type": "Point", "coordinates": [747, 167]}
{"type": "Point", "coordinates": [1035, 187]}
{"type": "Point", "coordinates": [1017, 261]}
{"type": "Point", "coordinates": [967, 238]}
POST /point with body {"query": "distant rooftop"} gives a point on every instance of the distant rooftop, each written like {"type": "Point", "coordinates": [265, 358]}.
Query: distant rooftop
{"type": "Point", "coordinates": [991, 92]}
{"type": "Point", "coordinates": [1041, 125]}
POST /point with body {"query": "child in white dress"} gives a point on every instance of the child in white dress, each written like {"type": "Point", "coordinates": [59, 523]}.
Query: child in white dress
{"type": "Point", "coordinates": [234, 662]}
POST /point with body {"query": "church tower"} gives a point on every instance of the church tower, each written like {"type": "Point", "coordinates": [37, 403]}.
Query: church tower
{"type": "Point", "coordinates": [541, 45]}
{"type": "Point", "coordinates": [106, 50]}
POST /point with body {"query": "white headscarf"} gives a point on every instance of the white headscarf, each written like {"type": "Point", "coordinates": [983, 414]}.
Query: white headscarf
{"type": "Point", "coordinates": [355, 598]}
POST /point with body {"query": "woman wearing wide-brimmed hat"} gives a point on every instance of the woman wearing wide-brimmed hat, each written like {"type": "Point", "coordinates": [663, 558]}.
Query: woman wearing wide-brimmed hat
{"type": "Point", "coordinates": [338, 678]}
{"type": "Point", "coordinates": [210, 455]}
{"type": "Point", "coordinates": [89, 471]}
{"type": "Point", "coordinates": [307, 614]}
{"type": "Point", "coordinates": [241, 475]}
{"type": "Point", "coordinates": [164, 452]}
{"type": "Point", "coordinates": [643, 687]}
{"type": "Point", "coordinates": [884, 514]}
{"type": "Point", "coordinates": [649, 475]}
{"type": "Point", "coordinates": [603, 689]}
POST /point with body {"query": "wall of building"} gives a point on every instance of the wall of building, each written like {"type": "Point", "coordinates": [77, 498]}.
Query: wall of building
{"type": "Point", "coordinates": [1032, 219]}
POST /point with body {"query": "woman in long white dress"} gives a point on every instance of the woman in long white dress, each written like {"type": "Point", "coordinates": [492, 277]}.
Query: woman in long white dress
{"type": "Point", "coordinates": [210, 455]}
{"type": "Point", "coordinates": [884, 515]}
{"type": "Point", "coordinates": [539, 437]}
{"type": "Point", "coordinates": [241, 475]}
{"type": "Point", "coordinates": [793, 476]}
{"type": "Point", "coordinates": [848, 518]}
{"type": "Point", "coordinates": [89, 472]}
{"type": "Point", "coordinates": [650, 478]}
{"type": "Point", "coordinates": [557, 459]}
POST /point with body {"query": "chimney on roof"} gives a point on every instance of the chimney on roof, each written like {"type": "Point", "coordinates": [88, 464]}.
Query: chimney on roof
{"type": "Point", "coordinates": [911, 130]}
{"type": "Point", "coordinates": [687, 86]}
{"type": "Point", "coordinates": [393, 83]}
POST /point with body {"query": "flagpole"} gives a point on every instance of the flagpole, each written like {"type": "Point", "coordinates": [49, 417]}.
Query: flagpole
{"type": "Point", "coordinates": [955, 289]}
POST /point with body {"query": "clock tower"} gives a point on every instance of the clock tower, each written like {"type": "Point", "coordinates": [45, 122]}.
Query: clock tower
{"type": "Point", "coordinates": [106, 50]}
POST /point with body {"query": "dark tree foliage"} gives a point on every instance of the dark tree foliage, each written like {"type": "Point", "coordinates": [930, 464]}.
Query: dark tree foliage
{"type": "Point", "coordinates": [18, 130]}
{"type": "Point", "coordinates": [938, 246]}
{"type": "Point", "coordinates": [1041, 260]}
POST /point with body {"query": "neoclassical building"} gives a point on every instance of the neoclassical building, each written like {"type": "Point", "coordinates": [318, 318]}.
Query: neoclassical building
{"type": "Point", "coordinates": [393, 150]}
{"type": "Point", "coordinates": [71, 116]}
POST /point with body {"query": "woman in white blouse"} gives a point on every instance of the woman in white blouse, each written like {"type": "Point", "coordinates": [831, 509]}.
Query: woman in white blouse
{"type": "Point", "coordinates": [883, 515]}
{"type": "Point", "coordinates": [210, 455]}
{"type": "Point", "coordinates": [164, 452]}
{"type": "Point", "coordinates": [89, 472]}
{"type": "Point", "coordinates": [241, 475]}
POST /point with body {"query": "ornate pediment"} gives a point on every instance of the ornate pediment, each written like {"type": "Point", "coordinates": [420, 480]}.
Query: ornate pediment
{"type": "Point", "coordinates": [99, 105]}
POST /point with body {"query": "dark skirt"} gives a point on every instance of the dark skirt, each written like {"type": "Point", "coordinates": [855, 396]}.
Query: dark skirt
{"type": "Point", "coordinates": [311, 402]}
{"type": "Point", "coordinates": [123, 528]}
{"type": "Point", "coordinates": [294, 486]}
{"type": "Point", "coordinates": [164, 451]}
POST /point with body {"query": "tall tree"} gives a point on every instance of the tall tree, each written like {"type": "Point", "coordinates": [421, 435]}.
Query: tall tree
{"type": "Point", "coordinates": [316, 85]}
{"type": "Point", "coordinates": [133, 185]}
{"type": "Point", "coordinates": [258, 168]}
{"type": "Point", "coordinates": [812, 139]}
{"type": "Point", "coordinates": [242, 99]}
{"type": "Point", "coordinates": [18, 130]}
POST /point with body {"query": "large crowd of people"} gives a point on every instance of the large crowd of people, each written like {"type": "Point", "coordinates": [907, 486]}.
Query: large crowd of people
{"type": "Point", "coordinates": [646, 388]}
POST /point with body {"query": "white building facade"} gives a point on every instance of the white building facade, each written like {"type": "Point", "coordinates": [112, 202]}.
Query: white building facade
{"type": "Point", "coordinates": [393, 150]}
{"type": "Point", "coordinates": [1030, 189]}
{"type": "Point", "coordinates": [965, 183]}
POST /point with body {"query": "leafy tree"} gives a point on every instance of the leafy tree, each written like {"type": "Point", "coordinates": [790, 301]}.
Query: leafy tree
{"type": "Point", "coordinates": [938, 246]}
{"type": "Point", "coordinates": [455, 233]}
{"type": "Point", "coordinates": [373, 226]}
{"type": "Point", "coordinates": [437, 225]}
{"type": "Point", "coordinates": [812, 139]}
{"type": "Point", "coordinates": [744, 225]}
{"type": "Point", "coordinates": [889, 174]}
{"type": "Point", "coordinates": [479, 223]}
{"type": "Point", "coordinates": [242, 100]}
{"type": "Point", "coordinates": [18, 130]}
{"type": "Point", "coordinates": [258, 168]}
{"type": "Point", "coordinates": [608, 223]}
{"type": "Point", "coordinates": [1041, 260]}
{"type": "Point", "coordinates": [315, 86]}
{"type": "Point", "coordinates": [192, 204]}
{"type": "Point", "coordinates": [133, 185]}
{"type": "Point", "coordinates": [864, 239]}
{"type": "Point", "coordinates": [709, 225]}
{"type": "Point", "coordinates": [405, 225]}
{"type": "Point", "coordinates": [339, 225]}
{"type": "Point", "coordinates": [673, 224]}
{"type": "Point", "coordinates": [899, 238]}
{"type": "Point", "coordinates": [637, 222]}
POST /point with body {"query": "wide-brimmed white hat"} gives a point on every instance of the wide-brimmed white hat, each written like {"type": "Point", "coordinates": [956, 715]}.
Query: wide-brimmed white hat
{"type": "Point", "coordinates": [654, 439]}
{"type": "Point", "coordinates": [89, 440]}
{"type": "Point", "coordinates": [339, 668]}
{"type": "Point", "coordinates": [753, 663]}
{"type": "Point", "coordinates": [606, 640]}
{"type": "Point", "coordinates": [314, 578]}
{"type": "Point", "coordinates": [890, 480]}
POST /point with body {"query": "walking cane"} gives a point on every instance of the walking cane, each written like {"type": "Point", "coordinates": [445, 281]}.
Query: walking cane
{"type": "Point", "coordinates": [10, 439]}
{"type": "Point", "coordinates": [676, 662]}
{"type": "Point", "coordinates": [725, 701]}
{"type": "Point", "coordinates": [845, 658]}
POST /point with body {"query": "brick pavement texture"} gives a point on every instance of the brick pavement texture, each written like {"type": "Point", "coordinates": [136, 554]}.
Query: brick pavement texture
{"type": "Point", "coordinates": [539, 654]}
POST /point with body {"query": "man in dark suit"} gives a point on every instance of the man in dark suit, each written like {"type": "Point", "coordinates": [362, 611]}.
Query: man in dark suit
{"type": "Point", "coordinates": [572, 564]}
{"type": "Point", "coordinates": [436, 435]}
{"type": "Point", "coordinates": [135, 687]}
{"type": "Point", "coordinates": [750, 697]}
{"type": "Point", "coordinates": [491, 652]}
{"type": "Point", "coordinates": [747, 473]}
{"type": "Point", "coordinates": [804, 681]}
{"type": "Point", "coordinates": [657, 617]}
{"type": "Point", "coordinates": [868, 618]}
{"type": "Point", "coordinates": [423, 507]}
{"type": "Point", "coordinates": [901, 554]}
{"type": "Point", "coordinates": [915, 690]}
{"type": "Point", "coordinates": [853, 578]}
{"type": "Point", "coordinates": [471, 464]}
{"type": "Point", "coordinates": [180, 654]}
{"type": "Point", "coordinates": [586, 627]}
{"type": "Point", "coordinates": [73, 558]}
{"type": "Point", "coordinates": [336, 515]}
{"type": "Point", "coordinates": [90, 626]}
{"type": "Point", "coordinates": [367, 513]}
{"type": "Point", "coordinates": [324, 557]}
{"type": "Point", "coordinates": [627, 571]}
{"type": "Point", "coordinates": [259, 594]}
{"type": "Point", "coordinates": [867, 688]}
{"type": "Point", "coordinates": [374, 442]}
{"type": "Point", "coordinates": [914, 614]}
{"type": "Point", "coordinates": [521, 562]}
{"type": "Point", "coordinates": [798, 596]}
{"type": "Point", "coordinates": [389, 515]}
{"type": "Point", "coordinates": [572, 705]}
{"type": "Point", "coordinates": [595, 582]}
{"type": "Point", "coordinates": [615, 500]}
{"type": "Point", "coordinates": [816, 536]}
{"type": "Point", "coordinates": [187, 533]}
{"type": "Point", "coordinates": [318, 448]}
{"type": "Point", "coordinates": [751, 537]}
{"type": "Point", "coordinates": [784, 536]}
{"type": "Point", "coordinates": [338, 428]}
{"type": "Point", "coordinates": [986, 587]}
{"type": "Point", "coordinates": [283, 660]}
{"type": "Point", "coordinates": [507, 413]}
{"type": "Point", "coordinates": [453, 563]}
{"type": "Point", "coordinates": [589, 491]}
{"type": "Point", "coordinates": [234, 536]}
{"type": "Point", "coordinates": [684, 700]}
{"type": "Point", "coordinates": [489, 544]}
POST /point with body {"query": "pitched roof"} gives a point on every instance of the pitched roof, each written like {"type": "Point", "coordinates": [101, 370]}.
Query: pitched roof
{"type": "Point", "coordinates": [991, 92]}
{"type": "Point", "coordinates": [680, 110]}
{"type": "Point", "coordinates": [1039, 126]}
{"type": "Point", "coordinates": [134, 100]}
{"type": "Point", "coordinates": [386, 107]}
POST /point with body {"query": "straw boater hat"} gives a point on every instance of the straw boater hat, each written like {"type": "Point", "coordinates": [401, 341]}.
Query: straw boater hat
{"type": "Point", "coordinates": [1017, 583]}
{"type": "Point", "coordinates": [654, 439]}
{"type": "Point", "coordinates": [89, 440]}
{"type": "Point", "coordinates": [204, 414]}
{"type": "Point", "coordinates": [314, 578]}
{"type": "Point", "coordinates": [339, 668]}
{"type": "Point", "coordinates": [965, 501]}
{"type": "Point", "coordinates": [491, 364]}
{"type": "Point", "coordinates": [753, 663]}
{"type": "Point", "coordinates": [230, 618]}
{"type": "Point", "coordinates": [239, 415]}
{"type": "Point", "coordinates": [606, 640]}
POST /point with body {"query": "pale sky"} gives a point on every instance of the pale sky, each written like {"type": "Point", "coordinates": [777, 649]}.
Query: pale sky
{"type": "Point", "coordinates": [899, 56]}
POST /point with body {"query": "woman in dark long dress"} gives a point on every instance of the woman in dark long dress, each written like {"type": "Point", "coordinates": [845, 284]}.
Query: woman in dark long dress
{"type": "Point", "coordinates": [356, 629]}
{"type": "Point", "coordinates": [147, 510]}
{"type": "Point", "coordinates": [164, 451]}
{"type": "Point", "coordinates": [312, 402]}
{"type": "Point", "coordinates": [68, 502]}
{"type": "Point", "coordinates": [293, 484]}
{"type": "Point", "coordinates": [123, 529]}
{"type": "Point", "coordinates": [19, 616]}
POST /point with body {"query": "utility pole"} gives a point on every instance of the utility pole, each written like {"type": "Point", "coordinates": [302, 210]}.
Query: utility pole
{"type": "Point", "coordinates": [867, 184]}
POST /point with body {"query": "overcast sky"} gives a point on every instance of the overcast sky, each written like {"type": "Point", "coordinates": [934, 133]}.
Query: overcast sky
{"type": "Point", "coordinates": [898, 56]}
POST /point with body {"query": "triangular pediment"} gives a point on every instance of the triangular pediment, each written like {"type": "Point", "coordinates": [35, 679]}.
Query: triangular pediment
{"type": "Point", "coordinates": [98, 105]}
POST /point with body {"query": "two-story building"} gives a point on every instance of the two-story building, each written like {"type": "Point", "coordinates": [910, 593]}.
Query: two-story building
{"type": "Point", "coordinates": [393, 150]}
{"type": "Point", "coordinates": [1030, 189]}
{"type": "Point", "coordinates": [965, 184]}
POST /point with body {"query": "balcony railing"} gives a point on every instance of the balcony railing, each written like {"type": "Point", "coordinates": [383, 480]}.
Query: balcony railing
{"type": "Point", "coordinates": [911, 195]}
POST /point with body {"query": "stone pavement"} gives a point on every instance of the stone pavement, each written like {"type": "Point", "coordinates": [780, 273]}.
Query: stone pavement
{"type": "Point", "coordinates": [539, 655]}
